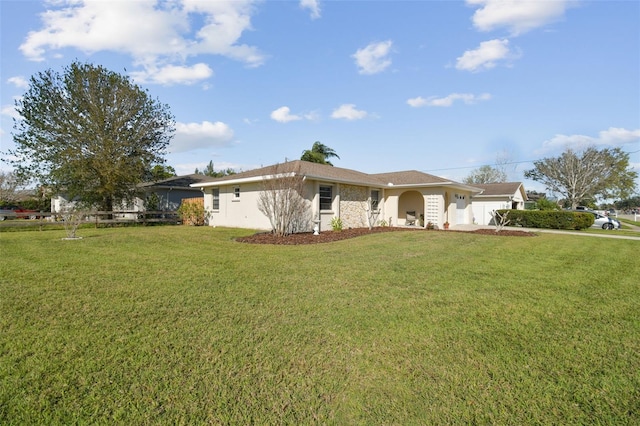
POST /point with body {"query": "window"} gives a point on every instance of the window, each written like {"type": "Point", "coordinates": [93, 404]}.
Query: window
{"type": "Point", "coordinates": [375, 199]}
{"type": "Point", "coordinates": [326, 197]}
{"type": "Point", "coordinates": [216, 198]}
{"type": "Point", "coordinates": [236, 193]}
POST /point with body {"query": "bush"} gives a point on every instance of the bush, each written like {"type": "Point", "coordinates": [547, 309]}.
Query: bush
{"type": "Point", "coordinates": [192, 212]}
{"type": "Point", "coordinates": [336, 224]}
{"type": "Point", "coordinates": [544, 204]}
{"type": "Point", "coordinates": [550, 219]}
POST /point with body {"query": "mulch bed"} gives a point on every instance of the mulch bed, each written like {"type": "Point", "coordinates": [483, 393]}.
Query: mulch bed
{"type": "Point", "coordinates": [329, 236]}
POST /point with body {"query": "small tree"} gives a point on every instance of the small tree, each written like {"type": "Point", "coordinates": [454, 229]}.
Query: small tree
{"type": "Point", "coordinates": [372, 213]}
{"type": "Point", "coordinates": [72, 217]}
{"type": "Point", "coordinates": [500, 220]}
{"type": "Point", "coordinates": [192, 211]}
{"type": "Point", "coordinates": [282, 201]}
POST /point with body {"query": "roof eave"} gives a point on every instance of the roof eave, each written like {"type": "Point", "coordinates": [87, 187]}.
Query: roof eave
{"type": "Point", "coordinates": [252, 179]}
{"type": "Point", "coordinates": [436, 184]}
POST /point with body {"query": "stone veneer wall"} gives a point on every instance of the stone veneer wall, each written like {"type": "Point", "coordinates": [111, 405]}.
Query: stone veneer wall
{"type": "Point", "coordinates": [353, 203]}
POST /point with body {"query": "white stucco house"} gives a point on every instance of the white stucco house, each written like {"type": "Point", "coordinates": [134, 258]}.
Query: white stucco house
{"type": "Point", "coordinates": [496, 196]}
{"type": "Point", "coordinates": [397, 198]}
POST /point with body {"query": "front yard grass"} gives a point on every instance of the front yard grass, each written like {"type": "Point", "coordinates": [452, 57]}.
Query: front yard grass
{"type": "Point", "coordinates": [184, 325]}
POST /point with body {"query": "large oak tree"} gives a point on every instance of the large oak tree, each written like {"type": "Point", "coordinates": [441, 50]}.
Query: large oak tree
{"type": "Point", "coordinates": [89, 132]}
{"type": "Point", "coordinates": [586, 175]}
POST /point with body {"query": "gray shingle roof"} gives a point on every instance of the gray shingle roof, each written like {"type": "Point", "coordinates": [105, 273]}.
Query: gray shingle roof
{"type": "Point", "coordinates": [498, 189]}
{"type": "Point", "coordinates": [176, 181]}
{"type": "Point", "coordinates": [409, 177]}
{"type": "Point", "coordinates": [338, 174]}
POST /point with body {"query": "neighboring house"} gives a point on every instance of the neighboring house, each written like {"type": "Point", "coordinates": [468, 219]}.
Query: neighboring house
{"type": "Point", "coordinates": [167, 194]}
{"type": "Point", "coordinates": [170, 192]}
{"type": "Point", "coordinates": [496, 196]}
{"type": "Point", "coordinates": [397, 198]}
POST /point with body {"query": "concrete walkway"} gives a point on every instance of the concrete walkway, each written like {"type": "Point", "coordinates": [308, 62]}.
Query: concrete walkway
{"type": "Point", "coordinates": [610, 234]}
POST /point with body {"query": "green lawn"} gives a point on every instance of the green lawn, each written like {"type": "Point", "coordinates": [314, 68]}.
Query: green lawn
{"type": "Point", "coordinates": [183, 325]}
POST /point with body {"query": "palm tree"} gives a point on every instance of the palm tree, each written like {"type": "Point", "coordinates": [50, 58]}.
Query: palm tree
{"type": "Point", "coordinates": [319, 153]}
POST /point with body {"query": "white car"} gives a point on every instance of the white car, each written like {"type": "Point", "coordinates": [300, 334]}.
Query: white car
{"type": "Point", "coordinates": [604, 222]}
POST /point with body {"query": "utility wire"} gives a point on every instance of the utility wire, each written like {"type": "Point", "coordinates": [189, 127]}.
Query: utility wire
{"type": "Point", "coordinates": [476, 166]}
{"type": "Point", "coordinates": [492, 165]}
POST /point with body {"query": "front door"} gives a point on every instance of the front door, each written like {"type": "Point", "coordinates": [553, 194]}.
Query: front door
{"type": "Point", "coordinates": [461, 204]}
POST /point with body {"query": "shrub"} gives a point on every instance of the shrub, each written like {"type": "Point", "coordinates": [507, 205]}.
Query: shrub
{"type": "Point", "coordinates": [550, 219]}
{"type": "Point", "coordinates": [336, 224]}
{"type": "Point", "coordinates": [544, 204]}
{"type": "Point", "coordinates": [192, 212]}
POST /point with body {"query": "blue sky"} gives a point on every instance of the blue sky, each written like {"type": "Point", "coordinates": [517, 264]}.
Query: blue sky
{"type": "Point", "coordinates": [437, 86]}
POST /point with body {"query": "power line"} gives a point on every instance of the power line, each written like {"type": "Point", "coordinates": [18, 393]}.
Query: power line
{"type": "Point", "coordinates": [476, 166]}
{"type": "Point", "coordinates": [492, 165]}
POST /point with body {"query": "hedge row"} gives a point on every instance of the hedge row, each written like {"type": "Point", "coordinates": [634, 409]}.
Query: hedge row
{"type": "Point", "coordinates": [550, 219]}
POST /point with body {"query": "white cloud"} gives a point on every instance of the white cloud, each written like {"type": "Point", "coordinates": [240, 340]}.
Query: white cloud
{"type": "Point", "coordinates": [283, 115]}
{"type": "Point", "coordinates": [417, 102]}
{"type": "Point", "coordinates": [373, 58]}
{"type": "Point", "coordinates": [18, 81]}
{"type": "Point", "coordinates": [10, 111]}
{"type": "Point", "coordinates": [485, 56]}
{"type": "Point", "coordinates": [173, 74]}
{"type": "Point", "coordinates": [313, 6]}
{"type": "Point", "coordinates": [192, 136]}
{"type": "Point", "coordinates": [166, 35]}
{"type": "Point", "coordinates": [348, 112]}
{"type": "Point", "coordinates": [519, 16]}
{"type": "Point", "coordinates": [612, 137]}
{"type": "Point", "coordinates": [447, 101]}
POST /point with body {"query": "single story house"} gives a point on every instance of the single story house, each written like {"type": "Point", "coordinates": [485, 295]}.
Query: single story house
{"type": "Point", "coordinates": [358, 199]}
{"type": "Point", "coordinates": [164, 195]}
{"type": "Point", "coordinates": [496, 196]}
{"type": "Point", "coordinates": [170, 192]}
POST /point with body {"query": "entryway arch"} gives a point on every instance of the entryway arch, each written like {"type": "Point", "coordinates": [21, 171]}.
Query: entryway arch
{"type": "Point", "coordinates": [410, 201]}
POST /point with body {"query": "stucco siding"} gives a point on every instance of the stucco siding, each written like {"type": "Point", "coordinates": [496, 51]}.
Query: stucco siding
{"type": "Point", "coordinates": [238, 211]}
{"type": "Point", "coordinates": [242, 211]}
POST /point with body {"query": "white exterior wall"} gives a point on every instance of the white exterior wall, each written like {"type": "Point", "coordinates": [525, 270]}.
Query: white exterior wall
{"type": "Point", "coordinates": [237, 212]}
{"type": "Point", "coordinates": [438, 205]}
{"type": "Point", "coordinates": [482, 210]}
{"type": "Point", "coordinates": [483, 206]}
{"type": "Point", "coordinates": [242, 212]}
{"type": "Point", "coordinates": [350, 203]}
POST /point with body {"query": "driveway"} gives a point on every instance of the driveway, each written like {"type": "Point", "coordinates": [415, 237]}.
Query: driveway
{"type": "Point", "coordinates": [611, 234]}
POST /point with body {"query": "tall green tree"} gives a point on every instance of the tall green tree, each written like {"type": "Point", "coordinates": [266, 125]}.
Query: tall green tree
{"type": "Point", "coordinates": [590, 174]}
{"type": "Point", "coordinates": [486, 174]}
{"type": "Point", "coordinates": [89, 132]}
{"type": "Point", "coordinates": [210, 171]}
{"type": "Point", "coordinates": [160, 172]}
{"type": "Point", "coordinates": [319, 153]}
{"type": "Point", "coordinates": [9, 187]}
{"type": "Point", "coordinates": [628, 203]}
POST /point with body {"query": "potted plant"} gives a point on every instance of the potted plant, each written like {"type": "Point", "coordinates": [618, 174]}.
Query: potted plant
{"type": "Point", "coordinates": [446, 225]}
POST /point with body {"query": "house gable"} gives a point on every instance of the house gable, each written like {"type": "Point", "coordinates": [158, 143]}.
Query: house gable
{"type": "Point", "coordinates": [496, 196]}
